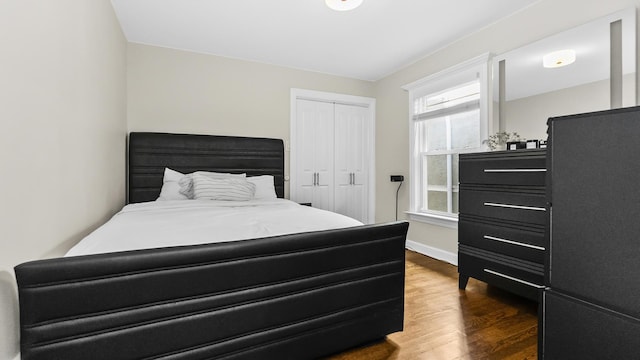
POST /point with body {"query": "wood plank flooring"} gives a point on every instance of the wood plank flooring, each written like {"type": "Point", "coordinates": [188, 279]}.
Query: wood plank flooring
{"type": "Point", "coordinates": [445, 323]}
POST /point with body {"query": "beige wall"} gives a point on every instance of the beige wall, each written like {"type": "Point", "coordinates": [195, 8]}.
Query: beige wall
{"type": "Point", "coordinates": [528, 116]}
{"type": "Point", "coordinates": [542, 19]}
{"type": "Point", "coordinates": [178, 91]}
{"type": "Point", "coordinates": [62, 143]}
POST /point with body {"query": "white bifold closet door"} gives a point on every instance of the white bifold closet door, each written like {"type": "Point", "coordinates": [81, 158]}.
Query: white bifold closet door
{"type": "Point", "coordinates": [350, 197]}
{"type": "Point", "coordinates": [315, 142]}
{"type": "Point", "coordinates": [331, 160]}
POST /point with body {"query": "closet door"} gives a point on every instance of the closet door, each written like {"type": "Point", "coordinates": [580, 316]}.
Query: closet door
{"type": "Point", "coordinates": [314, 162]}
{"type": "Point", "coordinates": [350, 164]}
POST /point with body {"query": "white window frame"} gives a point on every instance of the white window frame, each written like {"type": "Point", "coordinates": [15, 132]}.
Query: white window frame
{"type": "Point", "coordinates": [478, 67]}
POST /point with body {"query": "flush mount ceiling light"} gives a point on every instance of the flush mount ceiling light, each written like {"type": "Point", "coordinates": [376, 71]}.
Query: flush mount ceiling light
{"type": "Point", "coordinates": [558, 59]}
{"type": "Point", "coordinates": [343, 5]}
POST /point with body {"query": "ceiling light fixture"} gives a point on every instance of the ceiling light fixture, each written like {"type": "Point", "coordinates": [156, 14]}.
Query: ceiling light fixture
{"type": "Point", "coordinates": [558, 59]}
{"type": "Point", "coordinates": [343, 5]}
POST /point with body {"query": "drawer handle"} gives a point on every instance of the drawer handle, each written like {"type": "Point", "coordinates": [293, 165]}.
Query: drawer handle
{"type": "Point", "coordinates": [513, 170]}
{"type": "Point", "coordinates": [513, 242]}
{"type": "Point", "coordinates": [515, 206]}
{"type": "Point", "coordinates": [514, 279]}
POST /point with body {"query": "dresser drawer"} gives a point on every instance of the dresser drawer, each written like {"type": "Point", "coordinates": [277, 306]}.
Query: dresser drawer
{"type": "Point", "coordinates": [519, 276]}
{"type": "Point", "coordinates": [517, 242]}
{"type": "Point", "coordinates": [504, 168]}
{"type": "Point", "coordinates": [528, 207]}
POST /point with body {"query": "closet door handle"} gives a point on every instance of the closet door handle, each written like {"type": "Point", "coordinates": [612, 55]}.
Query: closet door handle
{"type": "Point", "coordinates": [314, 179]}
{"type": "Point", "coordinates": [317, 179]}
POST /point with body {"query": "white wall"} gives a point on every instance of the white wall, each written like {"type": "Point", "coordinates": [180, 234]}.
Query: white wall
{"type": "Point", "coordinates": [62, 137]}
{"type": "Point", "coordinates": [185, 92]}
{"type": "Point", "coordinates": [540, 20]}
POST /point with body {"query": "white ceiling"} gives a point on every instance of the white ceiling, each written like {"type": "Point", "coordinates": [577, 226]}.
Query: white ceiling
{"type": "Point", "coordinates": [368, 43]}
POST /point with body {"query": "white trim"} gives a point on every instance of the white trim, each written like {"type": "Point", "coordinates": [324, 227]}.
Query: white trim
{"type": "Point", "coordinates": [444, 74]}
{"type": "Point", "coordinates": [479, 67]}
{"type": "Point", "coordinates": [430, 251]}
{"type": "Point", "coordinates": [433, 219]}
{"type": "Point", "coordinates": [367, 102]}
{"type": "Point", "coordinates": [332, 97]}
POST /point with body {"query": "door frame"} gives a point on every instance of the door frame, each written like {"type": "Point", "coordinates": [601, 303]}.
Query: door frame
{"type": "Point", "coordinates": [336, 98]}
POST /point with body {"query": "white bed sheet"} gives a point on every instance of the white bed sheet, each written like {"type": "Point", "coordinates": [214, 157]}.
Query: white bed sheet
{"type": "Point", "coordinates": [188, 222]}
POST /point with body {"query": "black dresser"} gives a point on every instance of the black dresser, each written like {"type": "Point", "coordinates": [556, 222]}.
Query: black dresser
{"type": "Point", "coordinates": [591, 309]}
{"type": "Point", "coordinates": [502, 220]}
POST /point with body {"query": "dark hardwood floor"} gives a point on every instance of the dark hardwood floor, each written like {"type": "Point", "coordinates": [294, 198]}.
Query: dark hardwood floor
{"type": "Point", "coordinates": [445, 323]}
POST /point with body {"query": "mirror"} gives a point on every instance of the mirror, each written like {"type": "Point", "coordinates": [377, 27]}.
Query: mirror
{"type": "Point", "coordinates": [603, 75]}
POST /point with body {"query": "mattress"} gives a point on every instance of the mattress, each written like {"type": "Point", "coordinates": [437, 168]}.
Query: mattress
{"type": "Point", "coordinates": [157, 224]}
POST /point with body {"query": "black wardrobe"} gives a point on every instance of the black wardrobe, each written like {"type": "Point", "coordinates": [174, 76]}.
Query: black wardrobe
{"type": "Point", "coordinates": [591, 309]}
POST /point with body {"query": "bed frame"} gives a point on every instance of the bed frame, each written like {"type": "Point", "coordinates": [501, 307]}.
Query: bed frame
{"type": "Point", "coordinates": [298, 296]}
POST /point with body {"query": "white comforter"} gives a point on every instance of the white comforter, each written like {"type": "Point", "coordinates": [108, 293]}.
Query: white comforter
{"type": "Point", "coordinates": [189, 222]}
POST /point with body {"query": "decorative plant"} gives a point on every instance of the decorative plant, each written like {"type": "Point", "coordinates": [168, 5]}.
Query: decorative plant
{"type": "Point", "coordinates": [500, 139]}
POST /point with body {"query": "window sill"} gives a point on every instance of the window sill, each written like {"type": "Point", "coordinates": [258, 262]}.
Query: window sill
{"type": "Point", "coordinates": [439, 220]}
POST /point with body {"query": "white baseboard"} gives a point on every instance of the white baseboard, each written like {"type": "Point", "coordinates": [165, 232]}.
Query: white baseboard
{"type": "Point", "coordinates": [439, 254]}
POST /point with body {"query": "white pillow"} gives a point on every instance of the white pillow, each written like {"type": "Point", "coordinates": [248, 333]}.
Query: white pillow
{"type": "Point", "coordinates": [171, 186]}
{"type": "Point", "coordinates": [186, 183]}
{"type": "Point", "coordinates": [264, 187]}
{"type": "Point", "coordinates": [224, 188]}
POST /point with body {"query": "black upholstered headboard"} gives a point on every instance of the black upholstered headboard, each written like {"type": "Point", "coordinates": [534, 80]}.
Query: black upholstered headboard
{"type": "Point", "coordinates": [150, 153]}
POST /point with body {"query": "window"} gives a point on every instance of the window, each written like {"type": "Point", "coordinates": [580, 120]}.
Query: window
{"type": "Point", "coordinates": [448, 116]}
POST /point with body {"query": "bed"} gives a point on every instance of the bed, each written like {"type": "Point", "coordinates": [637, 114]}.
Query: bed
{"type": "Point", "coordinates": [299, 295]}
